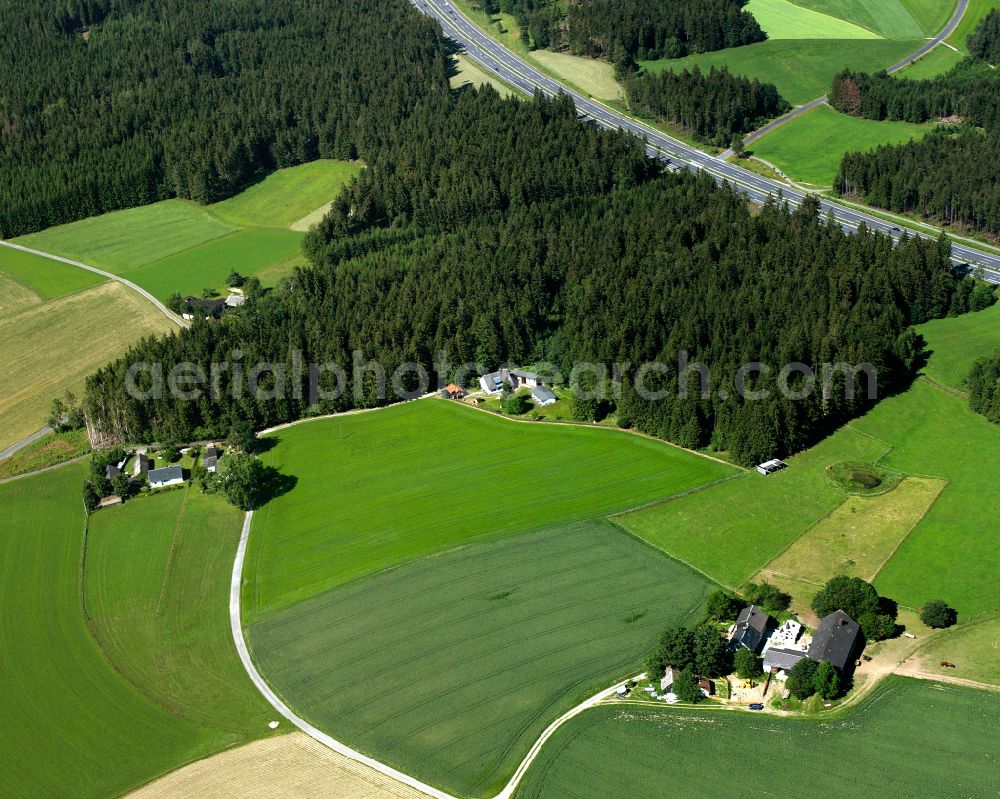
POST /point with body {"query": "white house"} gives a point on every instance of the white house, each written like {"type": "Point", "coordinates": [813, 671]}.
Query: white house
{"type": "Point", "coordinates": [167, 476]}
{"type": "Point", "coordinates": [770, 467]}
{"type": "Point", "coordinates": [543, 395]}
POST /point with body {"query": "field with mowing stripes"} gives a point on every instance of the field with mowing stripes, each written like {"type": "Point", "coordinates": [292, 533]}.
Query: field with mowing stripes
{"type": "Point", "coordinates": [449, 668]}
{"type": "Point", "coordinates": [74, 726]}
{"type": "Point", "coordinates": [908, 739]}
{"type": "Point", "coordinates": [377, 489]}
{"type": "Point", "coordinates": [783, 19]}
{"type": "Point", "coordinates": [958, 342]}
{"type": "Point", "coordinates": [49, 347]}
{"type": "Point", "coordinates": [24, 274]}
{"type": "Point", "coordinates": [176, 245]}
{"type": "Point", "coordinates": [891, 19]}
{"type": "Point", "coordinates": [156, 594]}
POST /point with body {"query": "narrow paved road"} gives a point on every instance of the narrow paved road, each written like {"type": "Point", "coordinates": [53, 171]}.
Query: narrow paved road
{"type": "Point", "coordinates": [24, 442]}
{"type": "Point", "coordinates": [947, 31]}
{"type": "Point", "coordinates": [111, 276]}
{"type": "Point", "coordinates": [494, 57]}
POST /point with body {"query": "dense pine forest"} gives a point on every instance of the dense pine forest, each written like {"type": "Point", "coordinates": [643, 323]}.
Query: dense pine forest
{"type": "Point", "coordinates": [984, 387]}
{"type": "Point", "coordinates": [951, 176]}
{"type": "Point", "coordinates": [636, 274]}
{"type": "Point", "coordinates": [715, 107]}
{"type": "Point", "coordinates": [623, 31]}
{"type": "Point", "coordinates": [109, 104]}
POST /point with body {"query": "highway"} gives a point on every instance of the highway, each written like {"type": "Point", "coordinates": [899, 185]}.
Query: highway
{"type": "Point", "coordinates": [494, 57]}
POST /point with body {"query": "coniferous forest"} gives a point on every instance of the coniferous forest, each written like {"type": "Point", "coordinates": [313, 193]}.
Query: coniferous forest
{"type": "Point", "coordinates": [951, 176]}
{"type": "Point", "coordinates": [984, 387]}
{"type": "Point", "coordinates": [493, 230]}
{"type": "Point", "coordinates": [714, 107]}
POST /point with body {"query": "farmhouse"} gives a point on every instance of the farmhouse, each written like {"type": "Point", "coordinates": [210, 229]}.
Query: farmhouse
{"type": "Point", "coordinates": [770, 467]}
{"type": "Point", "coordinates": [167, 476]}
{"type": "Point", "coordinates": [210, 460]}
{"type": "Point", "coordinates": [454, 391]}
{"type": "Point", "coordinates": [494, 382]}
{"type": "Point", "coordinates": [750, 629]}
{"type": "Point", "coordinates": [838, 641]}
{"type": "Point", "coordinates": [529, 379]}
{"type": "Point", "coordinates": [141, 464]}
{"type": "Point", "coordinates": [543, 396]}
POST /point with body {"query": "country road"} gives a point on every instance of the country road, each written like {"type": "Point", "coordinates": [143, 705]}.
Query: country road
{"type": "Point", "coordinates": [945, 32]}
{"type": "Point", "coordinates": [494, 57]}
{"type": "Point", "coordinates": [111, 276]}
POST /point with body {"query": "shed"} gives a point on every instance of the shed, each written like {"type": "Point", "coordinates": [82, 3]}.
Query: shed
{"type": "Point", "coordinates": [543, 395]}
{"type": "Point", "coordinates": [770, 467]}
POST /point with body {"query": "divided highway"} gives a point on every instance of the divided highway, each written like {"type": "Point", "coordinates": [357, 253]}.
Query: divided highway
{"type": "Point", "coordinates": [492, 55]}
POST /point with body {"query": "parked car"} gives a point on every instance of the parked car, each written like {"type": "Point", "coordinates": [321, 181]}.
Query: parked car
{"type": "Point", "coordinates": [756, 706]}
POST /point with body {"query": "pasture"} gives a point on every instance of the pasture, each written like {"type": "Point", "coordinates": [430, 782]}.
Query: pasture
{"type": "Point", "coordinates": [379, 488]}
{"type": "Point", "coordinates": [855, 539]}
{"type": "Point", "coordinates": [291, 766]}
{"type": "Point", "coordinates": [974, 649]}
{"type": "Point", "coordinates": [958, 342]}
{"type": "Point", "coordinates": [909, 738]}
{"type": "Point", "coordinates": [801, 69]}
{"type": "Point", "coordinates": [936, 62]}
{"type": "Point", "coordinates": [450, 667]}
{"type": "Point", "coordinates": [49, 348]}
{"type": "Point", "coordinates": [23, 274]}
{"type": "Point", "coordinates": [155, 590]}
{"type": "Point", "coordinates": [731, 531]}
{"type": "Point", "coordinates": [809, 149]}
{"type": "Point", "coordinates": [783, 19]}
{"type": "Point", "coordinates": [75, 726]}
{"type": "Point", "coordinates": [285, 196]}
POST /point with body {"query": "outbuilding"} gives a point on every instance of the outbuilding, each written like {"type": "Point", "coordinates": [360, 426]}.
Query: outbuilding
{"type": "Point", "coordinates": [167, 476]}
{"type": "Point", "coordinates": [770, 467]}
{"type": "Point", "coordinates": [543, 396]}
{"type": "Point", "coordinates": [750, 629]}
{"type": "Point", "coordinates": [838, 641]}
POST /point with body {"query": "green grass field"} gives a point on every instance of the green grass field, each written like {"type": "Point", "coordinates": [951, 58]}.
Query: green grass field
{"type": "Point", "coordinates": [156, 594]}
{"type": "Point", "coordinates": [936, 62]}
{"type": "Point", "coordinates": [957, 343]}
{"type": "Point", "coordinates": [809, 149]}
{"type": "Point", "coordinates": [75, 727]}
{"type": "Point", "coordinates": [42, 276]}
{"type": "Point", "coordinates": [974, 649]}
{"type": "Point", "coordinates": [801, 69]}
{"type": "Point", "coordinates": [925, 431]}
{"type": "Point", "coordinates": [285, 196]}
{"type": "Point", "coordinates": [469, 73]}
{"type": "Point", "coordinates": [267, 253]}
{"type": "Point", "coordinates": [891, 19]}
{"type": "Point", "coordinates": [974, 14]}
{"type": "Point", "coordinates": [450, 668]}
{"type": "Point", "coordinates": [596, 78]}
{"type": "Point", "coordinates": [783, 19]}
{"type": "Point", "coordinates": [907, 739]}
{"type": "Point", "coordinates": [176, 245]}
{"type": "Point", "coordinates": [377, 489]}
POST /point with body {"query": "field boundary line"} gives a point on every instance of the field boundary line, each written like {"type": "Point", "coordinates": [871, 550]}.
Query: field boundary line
{"type": "Point", "coordinates": [170, 554]}
{"type": "Point", "coordinates": [77, 459]}
{"type": "Point", "coordinates": [943, 485]}
{"type": "Point", "coordinates": [110, 275]}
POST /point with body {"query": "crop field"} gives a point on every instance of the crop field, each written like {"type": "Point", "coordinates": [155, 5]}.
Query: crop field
{"type": "Point", "coordinates": [285, 196]}
{"type": "Point", "coordinates": [452, 666]}
{"type": "Point", "coordinates": [801, 69]}
{"type": "Point", "coordinates": [42, 277]}
{"type": "Point", "coordinates": [74, 726]}
{"type": "Point", "coordinates": [292, 766]}
{"type": "Point", "coordinates": [855, 539]}
{"type": "Point", "coordinates": [596, 78]}
{"type": "Point", "coordinates": [267, 253]}
{"type": "Point", "coordinates": [974, 650]}
{"type": "Point", "coordinates": [810, 148]}
{"type": "Point", "coordinates": [376, 489]}
{"type": "Point", "coordinates": [48, 348]}
{"type": "Point", "coordinates": [908, 739]}
{"type": "Point", "coordinates": [891, 19]}
{"type": "Point", "coordinates": [156, 592]}
{"type": "Point", "coordinates": [783, 19]}
{"type": "Point", "coordinates": [958, 342]}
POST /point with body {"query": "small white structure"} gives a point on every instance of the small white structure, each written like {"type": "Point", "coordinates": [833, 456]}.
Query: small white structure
{"type": "Point", "coordinates": [543, 396]}
{"type": "Point", "coordinates": [785, 636]}
{"type": "Point", "coordinates": [667, 682]}
{"type": "Point", "coordinates": [235, 300]}
{"type": "Point", "coordinates": [167, 476]}
{"type": "Point", "coordinates": [770, 467]}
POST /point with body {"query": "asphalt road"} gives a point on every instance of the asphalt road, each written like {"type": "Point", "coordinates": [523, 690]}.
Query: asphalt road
{"type": "Point", "coordinates": [494, 57]}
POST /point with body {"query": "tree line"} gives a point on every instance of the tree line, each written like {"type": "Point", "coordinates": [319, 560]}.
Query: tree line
{"type": "Point", "coordinates": [951, 175]}
{"type": "Point", "coordinates": [118, 103]}
{"type": "Point", "coordinates": [634, 274]}
{"type": "Point", "coordinates": [984, 387]}
{"type": "Point", "coordinates": [715, 107]}
{"type": "Point", "coordinates": [624, 31]}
